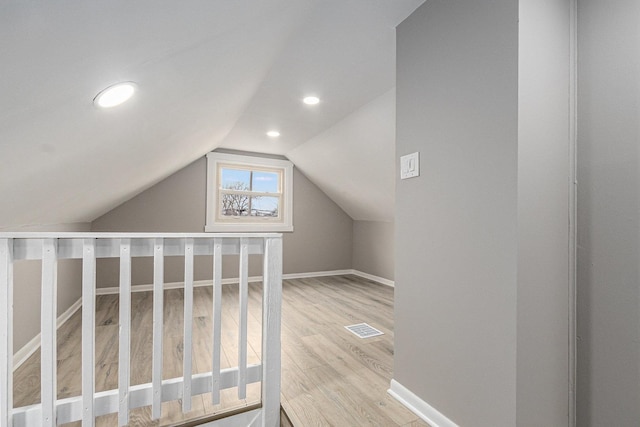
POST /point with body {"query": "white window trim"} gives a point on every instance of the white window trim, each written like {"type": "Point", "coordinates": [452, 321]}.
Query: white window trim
{"type": "Point", "coordinates": [211, 225]}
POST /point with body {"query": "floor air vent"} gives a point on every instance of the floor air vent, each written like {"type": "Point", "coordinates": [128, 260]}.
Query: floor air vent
{"type": "Point", "coordinates": [362, 330]}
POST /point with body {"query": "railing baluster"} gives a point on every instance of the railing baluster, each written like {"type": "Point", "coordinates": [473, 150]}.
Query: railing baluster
{"type": "Point", "coordinates": [242, 326]}
{"type": "Point", "coordinates": [124, 359]}
{"type": "Point", "coordinates": [88, 330]}
{"type": "Point", "coordinates": [158, 307]}
{"type": "Point", "coordinates": [217, 320]}
{"type": "Point", "coordinates": [271, 315]}
{"type": "Point", "coordinates": [48, 330]}
{"type": "Point", "coordinates": [6, 332]}
{"type": "Point", "coordinates": [89, 247]}
{"type": "Point", "coordinates": [188, 325]}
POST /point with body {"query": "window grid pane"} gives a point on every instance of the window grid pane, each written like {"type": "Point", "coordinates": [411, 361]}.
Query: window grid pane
{"type": "Point", "coordinates": [242, 207]}
{"type": "Point", "coordinates": [246, 194]}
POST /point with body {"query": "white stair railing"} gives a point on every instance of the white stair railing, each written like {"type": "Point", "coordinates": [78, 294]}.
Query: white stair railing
{"type": "Point", "coordinates": [51, 247]}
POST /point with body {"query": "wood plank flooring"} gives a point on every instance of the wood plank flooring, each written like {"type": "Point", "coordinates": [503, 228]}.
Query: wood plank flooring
{"type": "Point", "coordinates": [330, 377]}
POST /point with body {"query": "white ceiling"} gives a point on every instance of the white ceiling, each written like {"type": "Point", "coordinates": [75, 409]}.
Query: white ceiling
{"type": "Point", "coordinates": [353, 162]}
{"type": "Point", "coordinates": [210, 74]}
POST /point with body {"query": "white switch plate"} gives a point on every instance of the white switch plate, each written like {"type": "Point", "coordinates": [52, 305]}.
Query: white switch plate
{"type": "Point", "coordinates": [410, 165]}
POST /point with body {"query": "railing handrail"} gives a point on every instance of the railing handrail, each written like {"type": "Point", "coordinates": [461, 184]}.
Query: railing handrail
{"type": "Point", "coordinates": [124, 235]}
{"type": "Point", "coordinates": [70, 245]}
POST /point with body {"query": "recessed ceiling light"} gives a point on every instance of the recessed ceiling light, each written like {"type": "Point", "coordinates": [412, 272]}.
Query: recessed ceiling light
{"type": "Point", "coordinates": [115, 95]}
{"type": "Point", "coordinates": [311, 100]}
{"type": "Point", "coordinates": [273, 134]}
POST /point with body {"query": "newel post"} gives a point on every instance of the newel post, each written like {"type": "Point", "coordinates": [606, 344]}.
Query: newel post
{"type": "Point", "coordinates": [271, 342]}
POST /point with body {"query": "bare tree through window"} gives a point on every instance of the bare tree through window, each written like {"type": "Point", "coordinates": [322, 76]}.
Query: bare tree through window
{"type": "Point", "coordinates": [236, 204]}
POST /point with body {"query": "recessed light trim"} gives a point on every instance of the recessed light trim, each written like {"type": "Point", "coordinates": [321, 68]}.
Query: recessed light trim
{"type": "Point", "coordinates": [273, 134]}
{"type": "Point", "coordinates": [115, 95]}
{"type": "Point", "coordinates": [311, 100]}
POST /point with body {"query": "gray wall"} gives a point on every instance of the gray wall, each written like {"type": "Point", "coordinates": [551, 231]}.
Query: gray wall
{"type": "Point", "coordinates": [608, 213]}
{"type": "Point", "coordinates": [543, 196]}
{"type": "Point", "coordinates": [27, 279]}
{"type": "Point", "coordinates": [373, 248]}
{"type": "Point", "coordinates": [456, 224]}
{"type": "Point", "coordinates": [321, 241]}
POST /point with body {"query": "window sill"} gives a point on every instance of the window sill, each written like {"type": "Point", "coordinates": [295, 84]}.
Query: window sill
{"type": "Point", "coordinates": [248, 228]}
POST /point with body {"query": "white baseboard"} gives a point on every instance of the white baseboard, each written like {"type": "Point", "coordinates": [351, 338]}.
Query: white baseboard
{"type": "Point", "coordinates": [172, 285]}
{"type": "Point", "coordinates": [418, 406]}
{"type": "Point", "coordinates": [29, 348]}
{"type": "Point", "coordinates": [316, 274]}
{"type": "Point", "coordinates": [378, 279]}
{"type": "Point", "coordinates": [358, 273]}
{"type": "Point", "coordinates": [252, 279]}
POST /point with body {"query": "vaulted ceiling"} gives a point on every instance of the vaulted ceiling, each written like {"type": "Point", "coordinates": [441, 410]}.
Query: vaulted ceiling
{"type": "Point", "coordinates": [209, 74]}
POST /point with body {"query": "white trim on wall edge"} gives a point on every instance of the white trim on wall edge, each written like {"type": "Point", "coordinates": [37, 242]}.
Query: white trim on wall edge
{"type": "Point", "coordinates": [29, 348]}
{"type": "Point", "coordinates": [418, 406]}
{"type": "Point", "coordinates": [358, 273]}
{"type": "Point", "coordinates": [378, 279]}
{"type": "Point", "coordinates": [316, 274]}
{"type": "Point", "coordinates": [251, 279]}
{"type": "Point", "coordinates": [172, 285]}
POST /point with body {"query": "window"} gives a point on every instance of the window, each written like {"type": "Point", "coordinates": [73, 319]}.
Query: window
{"type": "Point", "coordinates": [246, 193]}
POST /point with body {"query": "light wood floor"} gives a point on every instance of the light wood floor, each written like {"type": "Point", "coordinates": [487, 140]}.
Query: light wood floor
{"type": "Point", "coordinates": [329, 376]}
